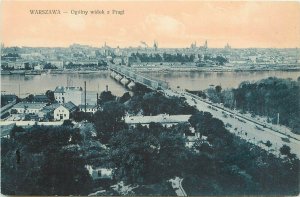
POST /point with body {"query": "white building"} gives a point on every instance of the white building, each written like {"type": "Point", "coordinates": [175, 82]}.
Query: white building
{"type": "Point", "coordinates": [63, 112]}
{"type": "Point", "coordinates": [38, 67]}
{"type": "Point", "coordinates": [66, 94]}
{"type": "Point", "coordinates": [28, 108]}
{"type": "Point", "coordinates": [99, 173]}
{"type": "Point", "coordinates": [16, 65]}
{"type": "Point", "coordinates": [89, 108]}
{"type": "Point", "coordinates": [164, 119]}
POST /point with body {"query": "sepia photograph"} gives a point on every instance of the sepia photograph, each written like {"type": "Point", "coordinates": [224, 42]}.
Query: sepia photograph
{"type": "Point", "coordinates": [150, 98]}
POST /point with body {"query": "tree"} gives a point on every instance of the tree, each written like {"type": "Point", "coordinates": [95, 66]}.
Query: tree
{"type": "Point", "coordinates": [79, 116]}
{"type": "Point", "coordinates": [218, 89]}
{"type": "Point", "coordinates": [133, 152]}
{"type": "Point", "coordinates": [106, 96]}
{"type": "Point", "coordinates": [13, 111]}
{"type": "Point", "coordinates": [50, 95]}
{"type": "Point", "coordinates": [142, 156]}
{"type": "Point", "coordinates": [126, 96]}
{"type": "Point", "coordinates": [67, 177]}
{"type": "Point", "coordinates": [68, 123]}
{"type": "Point", "coordinates": [285, 150]}
{"type": "Point", "coordinates": [268, 144]}
{"type": "Point", "coordinates": [49, 66]}
{"type": "Point", "coordinates": [270, 97]}
{"type": "Point", "coordinates": [50, 163]}
{"type": "Point", "coordinates": [201, 121]}
{"type": "Point", "coordinates": [16, 130]}
{"type": "Point", "coordinates": [213, 95]}
{"type": "Point", "coordinates": [30, 98]}
{"type": "Point", "coordinates": [109, 120]}
{"type": "Point", "coordinates": [28, 66]}
{"type": "Point", "coordinates": [221, 60]}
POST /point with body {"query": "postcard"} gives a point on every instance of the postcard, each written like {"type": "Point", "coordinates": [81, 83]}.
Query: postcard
{"type": "Point", "coordinates": [143, 98]}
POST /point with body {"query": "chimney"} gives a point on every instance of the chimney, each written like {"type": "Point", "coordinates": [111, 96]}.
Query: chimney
{"type": "Point", "coordinates": [106, 88]}
{"type": "Point", "coordinates": [84, 96]}
{"type": "Point", "coordinates": [97, 99]}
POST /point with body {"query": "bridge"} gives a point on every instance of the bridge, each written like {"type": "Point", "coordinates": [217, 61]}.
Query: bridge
{"type": "Point", "coordinates": [129, 78]}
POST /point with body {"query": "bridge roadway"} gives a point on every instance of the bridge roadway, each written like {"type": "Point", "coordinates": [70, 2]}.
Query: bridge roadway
{"type": "Point", "coordinates": [139, 78]}
{"type": "Point", "coordinates": [248, 128]}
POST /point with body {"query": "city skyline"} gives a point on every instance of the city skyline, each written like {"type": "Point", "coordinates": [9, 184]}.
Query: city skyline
{"type": "Point", "coordinates": [241, 24]}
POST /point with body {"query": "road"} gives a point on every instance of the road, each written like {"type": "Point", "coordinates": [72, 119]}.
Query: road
{"type": "Point", "coordinates": [247, 128]}
{"type": "Point", "coordinates": [177, 186]}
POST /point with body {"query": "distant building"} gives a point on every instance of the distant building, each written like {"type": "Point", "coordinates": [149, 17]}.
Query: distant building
{"type": "Point", "coordinates": [47, 112]}
{"type": "Point", "coordinates": [205, 44]}
{"type": "Point", "coordinates": [85, 62]}
{"type": "Point", "coordinates": [155, 46]}
{"type": "Point", "coordinates": [64, 111]}
{"type": "Point", "coordinates": [28, 108]}
{"type": "Point", "coordinates": [118, 60]}
{"type": "Point", "coordinates": [18, 65]}
{"type": "Point", "coordinates": [66, 94]}
{"type": "Point", "coordinates": [227, 46]}
{"type": "Point", "coordinates": [193, 45]}
{"type": "Point", "coordinates": [38, 67]}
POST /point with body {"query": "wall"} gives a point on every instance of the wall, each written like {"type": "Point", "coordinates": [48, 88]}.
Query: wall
{"type": "Point", "coordinates": [30, 123]}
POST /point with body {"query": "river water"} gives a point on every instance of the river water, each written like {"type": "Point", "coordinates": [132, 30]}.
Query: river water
{"type": "Point", "coordinates": [202, 80]}
{"type": "Point", "coordinates": [96, 82]}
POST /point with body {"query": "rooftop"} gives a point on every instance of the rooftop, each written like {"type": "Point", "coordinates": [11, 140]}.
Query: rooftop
{"type": "Point", "coordinates": [161, 118]}
{"type": "Point", "coordinates": [69, 105]}
{"type": "Point", "coordinates": [52, 106]}
{"type": "Point", "coordinates": [62, 89]}
{"type": "Point", "coordinates": [28, 105]}
{"type": "Point", "coordinates": [88, 106]}
{"type": "Point", "coordinates": [41, 98]}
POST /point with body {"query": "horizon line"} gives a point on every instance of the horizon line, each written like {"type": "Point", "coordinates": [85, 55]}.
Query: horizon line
{"type": "Point", "coordinates": [126, 47]}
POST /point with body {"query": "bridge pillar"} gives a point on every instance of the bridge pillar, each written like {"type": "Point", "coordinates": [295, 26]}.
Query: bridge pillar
{"type": "Point", "coordinates": [113, 74]}
{"type": "Point", "coordinates": [118, 77]}
{"type": "Point", "coordinates": [125, 81]}
{"type": "Point", "coordinates": [131, 85]}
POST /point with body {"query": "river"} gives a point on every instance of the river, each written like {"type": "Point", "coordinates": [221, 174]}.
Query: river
{"type": "Point", "coordinates": [202, 80]}
{"type": "Point", "coordinates": [96, 82]}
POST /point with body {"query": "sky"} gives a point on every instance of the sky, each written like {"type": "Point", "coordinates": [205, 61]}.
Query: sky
{"type": "Point", "coordinates": [171, 24]}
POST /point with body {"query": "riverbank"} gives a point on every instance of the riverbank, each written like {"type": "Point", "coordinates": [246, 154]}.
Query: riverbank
{"type": "Point", "coordinates": [155, 69]}
{"type": "Point", "coordinates": [210, 69]}
{"type": "Point", "coordinates": [54, 71]}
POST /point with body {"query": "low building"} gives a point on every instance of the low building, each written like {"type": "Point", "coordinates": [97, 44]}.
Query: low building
{"type": "Point", "coordinates": [99, 173]}
{"type": "Point", "coordinates": [164, 119]}
{"type": "Point", "coordinates": [28, 108]}
{"type": "Point", "coordinates": [64, 111]}
{"type": "Point", "coordinates": [89, 108]}
{"type": "Point", "coordinates": [41, 98]}
{"type": "Point", "coordinates": [18, 65]}
{"type": "Point", "coordinates": [47, 113]}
